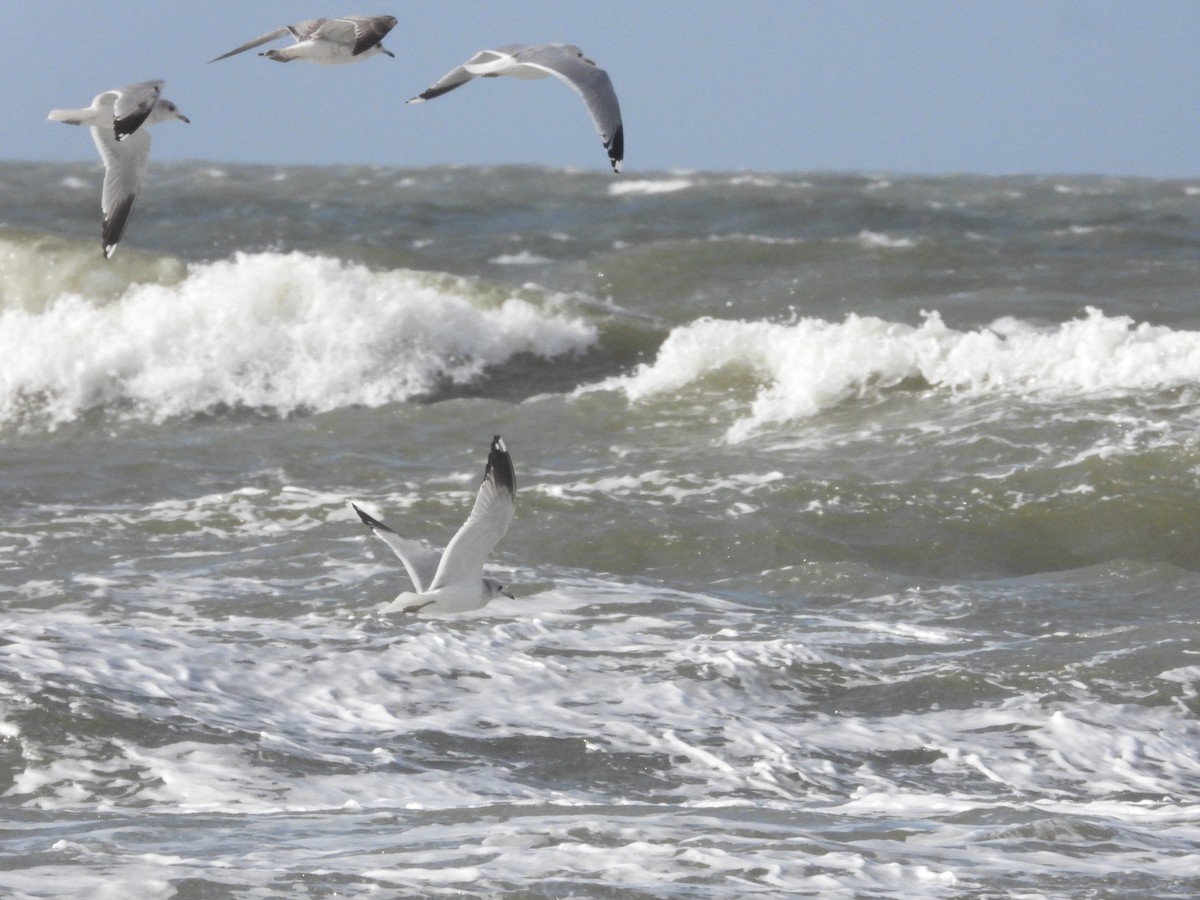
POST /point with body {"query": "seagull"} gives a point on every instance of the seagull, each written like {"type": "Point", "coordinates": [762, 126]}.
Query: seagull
{"type": "Point", "coordinates": [564, 61]}
{"type": "Point", "coordinates": [119, 119]}
{"type": "Point", "coordinates": [326, 42]}
{"type": "Point", "coordinates": [452, 581]}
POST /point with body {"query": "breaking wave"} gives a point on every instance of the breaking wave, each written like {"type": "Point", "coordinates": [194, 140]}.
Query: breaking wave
{"type": "Point", "coordinates": [802, 367]}
{"type": "Point", "coordinates": [272, 332]}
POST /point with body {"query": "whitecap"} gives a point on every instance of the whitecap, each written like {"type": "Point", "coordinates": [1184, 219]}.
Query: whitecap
{"type": "Point", "coordinates": [661, 186]}
{"type": "Point", "coordinates": [874, 240]}
{"type": "Point", "coordinates": [274, 332]}
{"type": "Point", "coordinates": [810, 365]}
{"type": "Point", "coordinates": [754, 180]}
{"type": "Point", "coordinates": [524, 258]}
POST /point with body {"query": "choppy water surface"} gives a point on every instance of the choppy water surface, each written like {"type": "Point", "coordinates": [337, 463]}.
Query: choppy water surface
{"type": "Point", "coordinates": [855, 554]}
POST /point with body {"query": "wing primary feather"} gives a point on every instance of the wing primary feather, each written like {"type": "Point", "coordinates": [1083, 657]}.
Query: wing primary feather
{"type": "Point", "coordinates": [259, 41]}
{"type": "Point", "coordinates": [369, 31]}
{"type": "Point", "coordinates": [420, 561]}
{"type": "Point", "coordinates": [371, 521]}
{"type": "Point", "coordinates": [488, 521]}
{"type": "Point", "coordinates": [616, 148]}
{"type": "Point", "coordinates": [127, 125]}
{"type": "Point", "coordinates": [114, 225]}
{"type": "Point", "coordinates": [499, 468]}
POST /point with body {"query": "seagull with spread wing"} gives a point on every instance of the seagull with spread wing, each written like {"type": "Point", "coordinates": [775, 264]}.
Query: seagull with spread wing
{"type": "Point", "coordinates": [119, 120]}
{"type": "Point", "coordinates": [327, 42]}
{"type": "Point", "coordinates": [452, 581]}
{"type": "Point", "coordinates": [565, 61]}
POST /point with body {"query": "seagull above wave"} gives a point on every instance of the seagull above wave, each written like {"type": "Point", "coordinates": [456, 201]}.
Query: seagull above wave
{"type": "Point", "coordinates": [565, 61]}
{"type": "Point", "coordinates": [326, 42]}
{"type": "Point", "coordinates": [119, 120]}
{"type": "Point", "coordinates": [452, 581]}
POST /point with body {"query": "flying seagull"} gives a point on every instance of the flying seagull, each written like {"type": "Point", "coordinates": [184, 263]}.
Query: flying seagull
{"type": "Point", "coordinates": [564, 61]}
{"type": "Point", "coordinates": [452, 581]}
{"type": "Point", "coordinates": [326, 42]}
{"type": "Point", "coordinates": [119, 120]}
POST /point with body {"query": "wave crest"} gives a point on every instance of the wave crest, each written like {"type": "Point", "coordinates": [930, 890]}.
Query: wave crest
{"type": "Point", "coordinates": [803, 367]}
{"type": "Point", "coordinates": [274, 332]}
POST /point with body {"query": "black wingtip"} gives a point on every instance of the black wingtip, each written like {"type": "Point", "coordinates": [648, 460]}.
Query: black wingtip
{"type": "Point", "coordinates": [434, 91]}
{"type": "Point", "coordinates": [114, 226]}
{"type": "Point", "coordinates": [127, 125]}
{"type": "Point", "coordinates": [371, 522]}
{"type": "Point", "coordinates": [500, 467]}
{"type": "Point", "coordinates": [616, 149]}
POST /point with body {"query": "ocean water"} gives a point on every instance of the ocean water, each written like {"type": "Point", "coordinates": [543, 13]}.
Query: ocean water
{"type": "Point", "coordinates": [857, 549]}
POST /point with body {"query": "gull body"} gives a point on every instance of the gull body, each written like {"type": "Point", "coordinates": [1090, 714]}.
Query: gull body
{"type": "Point", "coordinates": [119, 120]}
{"type": "Point", "coordinates": [326, 42]}
{"type": "Point", "coordinates": [452, 581]}
{"type": "Point", "coordinates": [565, 61]}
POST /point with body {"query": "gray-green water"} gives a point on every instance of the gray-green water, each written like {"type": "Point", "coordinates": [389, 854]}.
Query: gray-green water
{"type": "Point", "coordinates": [856, 548]}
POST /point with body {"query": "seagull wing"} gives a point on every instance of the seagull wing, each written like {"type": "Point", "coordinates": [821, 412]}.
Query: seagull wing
{"type": "Point", "coordinates": [495, 62]}
{"type": "Point", "coordinates": [485, 62]}
{"type": "Point", "coordinates": [592, 84]}
{"type": "Point", "coordinates": [360, 33]}
{"type": "Point", "coordinates": [299, 31]}
{"type": "Point", "coordinates": [124, 165]}
{"type": "Point", "coordinates": [132, 105]}
{"type": "Point", "coordinates": [494, 506]}
{"type": "Point", "coordinates": [420, 561]}
{"type": "Point", "coordinates": [306, 28]}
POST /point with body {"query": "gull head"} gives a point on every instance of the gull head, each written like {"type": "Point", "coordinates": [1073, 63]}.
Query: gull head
{"type": "Point", "coordinates": [495, 589]}
{"type": "Point", "coordinates": [579, 53]}
{"type": "Point", "coordinates": [172, 111]}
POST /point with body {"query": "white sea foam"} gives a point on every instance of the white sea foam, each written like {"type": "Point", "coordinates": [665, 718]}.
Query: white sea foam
{"type": "Point", "coordinates": [649, 186]}
{"type": "Point", "coordinates": [437, 754]}
{"type": "Point", "coordinates": [657, 486]}
{"type": "Point", "coordinates": [269, 331]}
{"type": "Point", "coordinates": [755, 179]}
{"type": "Point", "coordinates": [809, 365]}
{"type": "Point", "coordinates": [873, 240]}
{"type": "Point", "coordinates": [524, 258]}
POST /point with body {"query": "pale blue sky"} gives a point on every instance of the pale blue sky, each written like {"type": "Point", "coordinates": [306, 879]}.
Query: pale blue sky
{"type": "Point", "coordinates": [1023, 86]}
